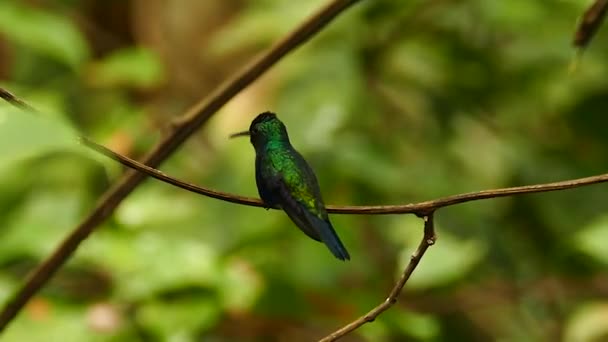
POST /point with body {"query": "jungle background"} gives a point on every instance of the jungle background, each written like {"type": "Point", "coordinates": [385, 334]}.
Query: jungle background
{"type": "Point", "coordinates": [395, 102]}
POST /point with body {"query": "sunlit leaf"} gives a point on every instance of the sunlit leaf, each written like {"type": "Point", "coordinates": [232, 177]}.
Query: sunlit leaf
{"type": "Point", "coordinates": [449, 260]}
{"type": "Point", "coordinates": [592, 239]}
{"type": "Point", "coordinates": [132, 67]}
{"type": "Point", "coordinates": [588, 323]}
{"type": "Point", "coordinates": [240, 286]}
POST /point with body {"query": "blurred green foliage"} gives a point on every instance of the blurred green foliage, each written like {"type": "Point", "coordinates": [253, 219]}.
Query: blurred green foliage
{"type": "Point", "coordinates": [396, 102]}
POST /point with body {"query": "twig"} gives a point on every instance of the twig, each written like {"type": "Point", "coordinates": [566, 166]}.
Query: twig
{"type": "Point", "coordinates": [421, 208]}
{"type": "Point", "coordinates": [12, 99]}
{"type": "Point", "coordinates": [590, 23]}
{"type": "Point", "coordinates": [428, 239]}
{"type": "Point", "coordinates": [191, 121]}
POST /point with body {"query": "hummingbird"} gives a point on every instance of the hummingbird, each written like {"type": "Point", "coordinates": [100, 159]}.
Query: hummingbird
{"type": "Point", "coordinates": [285, 180]}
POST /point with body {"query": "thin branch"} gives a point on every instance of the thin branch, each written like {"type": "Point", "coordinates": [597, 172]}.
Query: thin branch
{"type": "Point", "coordinates": [428, 239]}
{"type": "Point", "coordinates": [154, 173]}
{"type": "Point", "coordinates": [590, 22]}
{"type": "Point", "coordinates": [421, 208]}
{"type": "Point", "coordinates": [191, 121]}
{"type": "Point", "coordinates": [12, 99]}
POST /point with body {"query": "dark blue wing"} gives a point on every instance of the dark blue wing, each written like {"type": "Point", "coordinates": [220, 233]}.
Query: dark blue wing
{"type": "Point", "coordinates": [313, 226]}
{"type": "Point", "coordinates": [295, 211]}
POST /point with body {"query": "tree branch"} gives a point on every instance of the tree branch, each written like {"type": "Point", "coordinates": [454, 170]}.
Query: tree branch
{"type": "Point", "coordinates": [428, 239]}
{"type": "Point", "coordinates": [12, 99]}
{"type": "Point", "coordinates": [191, 121]}
{"type": "Point", "coordinates": [589, 23]}
{"type": "Point", "coordinates": [420, 209]}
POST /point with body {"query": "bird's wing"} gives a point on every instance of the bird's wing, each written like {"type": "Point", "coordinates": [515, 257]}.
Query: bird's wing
{"type": "Point", "coordinates": [318, 228]}
{"type": "Point", "coordinates": [295, 210]}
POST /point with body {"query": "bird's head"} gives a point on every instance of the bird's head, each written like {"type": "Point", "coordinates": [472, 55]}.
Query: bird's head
{"type": "Point", "coordinates": [265, 128]}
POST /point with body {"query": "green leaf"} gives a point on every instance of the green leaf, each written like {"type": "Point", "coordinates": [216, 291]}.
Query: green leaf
{"type": "Point", "coordinates": [41, 219]}
{"type": "Point", "coordinates": [60, 324]}
{"type": "Point", "coordinates": [588, 323]}
{"type": "Point", "coordinates": [263, 21]}
{"type": "Point", "coordinates": [451, 259]}
{"type": "Point", "coordinates": [179, 319]}
{"type": "Point", "coordinates": [132, 67]}
{"type": "Point", "coordinates": [148, 263]}
{"type": "Point", "coordinates": [591, 240]}
{"type": "Point", "coordinates": [421, 326]}
{"type": "Point", "coordinates": [26, 135]}
{"type": "Point", "coordinates": [241, 286]}
{"type": "Point", "coordinates": [47, 33]}
{"type": "Point", "coordinates": [45, 320]}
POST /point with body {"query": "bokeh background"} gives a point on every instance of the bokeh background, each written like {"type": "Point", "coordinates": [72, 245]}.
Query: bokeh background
{"type": "Point", "coordinates": [395, 102]}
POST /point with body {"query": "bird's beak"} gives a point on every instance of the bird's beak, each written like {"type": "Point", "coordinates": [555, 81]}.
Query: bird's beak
{"type": "Point", "coordinates": [240, 134]}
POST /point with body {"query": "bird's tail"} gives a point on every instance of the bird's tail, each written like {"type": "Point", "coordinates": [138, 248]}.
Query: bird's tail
{"type": "Point", "coordinates": [329, 237]}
